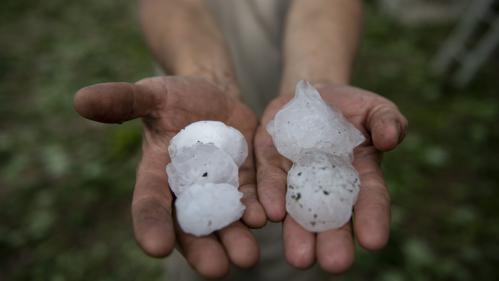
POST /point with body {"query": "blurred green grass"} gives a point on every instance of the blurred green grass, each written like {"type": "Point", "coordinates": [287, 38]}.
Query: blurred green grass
{"type": "Point", "coordinates": [66, 183]}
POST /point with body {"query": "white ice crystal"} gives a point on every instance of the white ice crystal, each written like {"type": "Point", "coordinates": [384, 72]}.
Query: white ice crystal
{"type": "Point", "coordinates": [203, 174]}
{"type": "Point", "coordinates": [201, 163]}
{"type": "Point", "coordinates": [322, 183]}
{"type": "Point", "coordinates": [204, 208]}
{"type": "Point", "coordinates": [307, 122]}
{"type": "Point", "coordinates": [217, 133]}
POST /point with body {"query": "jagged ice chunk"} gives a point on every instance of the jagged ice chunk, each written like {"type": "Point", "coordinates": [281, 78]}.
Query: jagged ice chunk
{"type": "Point", "coordinates": [307, 122]}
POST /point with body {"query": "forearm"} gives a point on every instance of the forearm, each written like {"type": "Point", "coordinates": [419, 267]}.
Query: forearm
{"type": "Point", "coordinates": [185, 40]}
{"type": "Point", "coordinates": [321, 41]}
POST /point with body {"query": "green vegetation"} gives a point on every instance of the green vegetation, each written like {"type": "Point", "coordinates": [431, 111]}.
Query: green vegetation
{"type": "Point", "coordinates": [66, 183]}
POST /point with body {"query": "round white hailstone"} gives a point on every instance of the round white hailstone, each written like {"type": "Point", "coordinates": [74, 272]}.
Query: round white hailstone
{"type": "Point", "coordinates": [322, 190]}
{"type": "Point", "coordinates": [204, 208]}
{"type": "Point", "coordinates": [307, 122]}
{"type": "Point", "coordinates": [201, 163]}
{"type": "Point", "coordinates": [326, 173]}
{"type": "Point", "coordinates": [315, 214]}
{"type": "Point", "coordinates": [217, 133]}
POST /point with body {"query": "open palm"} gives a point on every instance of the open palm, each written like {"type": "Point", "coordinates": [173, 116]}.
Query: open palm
{"type": "Point", "coordinates": [166, 105]}
{"type": "Point", "coordinates": [384, 126]}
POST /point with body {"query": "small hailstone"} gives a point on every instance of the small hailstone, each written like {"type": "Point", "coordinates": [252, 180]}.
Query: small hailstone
{"type": "Point", "coordinates": [201, 163]}
{"type": "Point", "coordinates": [203, 174]}
{"type": "Point", "coordinates": [307, 122]}
{"type": "Point", "coordinates": [204, 208]}
{"type": "Point", "coordinates": [217, 133]}
{"type": "Point", "coordinates": [322, 183]}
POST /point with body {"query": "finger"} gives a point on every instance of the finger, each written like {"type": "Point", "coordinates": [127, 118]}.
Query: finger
{"type": "Point", "coordinates": [254, 215]}
{"type": "Point", "coordinates": [151, 207]}
{"type": "Point", "coordinates": [387, 126]}
{"type": "Point", "coordinates": [271, 176]}
{"type": "Point", "coordinates": [205, 254]}
{"type": "Point", "coordinates": [115, 102]}
{"type": "Point", "coordinates": [299, 244]}
{"type": "Point", "coordinates": [239, 244]}
{"type": "Point", "coordinates": [372, 209]}
{"type": "Point", "coordinates": [335, 249]}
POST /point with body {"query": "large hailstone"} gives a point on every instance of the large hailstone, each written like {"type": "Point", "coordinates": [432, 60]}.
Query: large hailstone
{"type": "Point", "coordinates": [307, 122]}
{"type": "Point", "coordinates": [203, 174]}
{"type": "Point", "coordinates": [322, 183]}
{"type": "Point", "coordinates": [217, 133]}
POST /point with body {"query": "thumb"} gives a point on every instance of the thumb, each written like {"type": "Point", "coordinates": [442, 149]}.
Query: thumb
{"type": "Point", "coordinates": [115, 102]}
{"type": "Point", "coordinates": [387, 126]}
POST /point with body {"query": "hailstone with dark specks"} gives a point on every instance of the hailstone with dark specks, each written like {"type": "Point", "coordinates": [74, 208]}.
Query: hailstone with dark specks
{"type": "Point", "coordinates": [322, 184]}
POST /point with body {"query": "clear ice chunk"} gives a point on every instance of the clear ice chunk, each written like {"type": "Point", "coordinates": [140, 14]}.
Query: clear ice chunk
{"type": "Point", "coordinates": [217, 133]}
{"type": "Point", "coordinates": [307, 122]}
{"type": "Point", "coordinates": [200, 163]}
{"type": "Point", "coordinates": [204, 208]}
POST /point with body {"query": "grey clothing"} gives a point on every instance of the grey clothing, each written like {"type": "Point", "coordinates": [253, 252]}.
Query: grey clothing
{"type": "Point", "coordinates": [253, 30]}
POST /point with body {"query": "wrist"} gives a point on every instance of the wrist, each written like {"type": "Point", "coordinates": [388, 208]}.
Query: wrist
{"type": "Point", "coordinates": [289, 81]}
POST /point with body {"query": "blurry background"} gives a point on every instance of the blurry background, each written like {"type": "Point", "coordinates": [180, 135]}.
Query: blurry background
{"type": "Point", "coordinates": [66, 183]}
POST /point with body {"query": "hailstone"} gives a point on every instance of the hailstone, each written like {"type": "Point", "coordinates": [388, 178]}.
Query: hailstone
{"type": "Point", "coordinates": [203, 175]}
{"type": "Point", "coordinates": [217, 133]}
{"type": "Point", "coordinates": [307, 122]}
{"type": "Point", "coordinates": [201, 163]}
{"type": "Point", "coordinates": [321, 190]}
{"type": "Point", "coordinates": [322, 184]}
{"type": "Point", "coordinates": [204, 208]}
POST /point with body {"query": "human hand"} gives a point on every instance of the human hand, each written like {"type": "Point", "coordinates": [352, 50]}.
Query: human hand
{"type": "Point", "coordinates": [385, 127]}
{"type": "Point", "coordinates": [166, 105]}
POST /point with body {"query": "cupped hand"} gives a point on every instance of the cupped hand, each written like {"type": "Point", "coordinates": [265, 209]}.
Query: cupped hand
{"type": "Point", "coordinates": [384, 127]}
{"type": "Point", "coordinates": [166, 105]}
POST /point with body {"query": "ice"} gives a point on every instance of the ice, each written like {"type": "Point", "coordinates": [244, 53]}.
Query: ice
{"type": "Point", "coordinates": [203, 175]}
{"type": "Point", "coordinates": [307, 122]}
{"type": "Point", "coordinates": [217, 133]}
{"type": "Point", "coordinates": [201, 163]}
{"type": "Point", "coordinates": [316, 213]}
{"type": "Point", "coordinates": [321, 191]}
{"type": "Point", "coordinates": [322, 183]}
{"type": "Point", "coordinates": [327, 174]}
{"type": "Point", "coordinates": [204, 208]}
